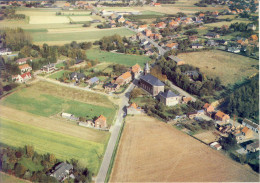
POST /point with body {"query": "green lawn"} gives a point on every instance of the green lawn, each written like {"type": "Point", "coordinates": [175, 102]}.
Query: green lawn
{"type": "Point", "coordinates": [28, 163]}
{"type": "Point", "coordinates": [56, 75]}
{"type": "Point", "coordinates": [59, 65]}
{"type": "Point", "coordinates": [64, 147]}
{"type": "Point", "coordinates": [5, 178]}
{"type": "Point", "coordinates": [128, 60]}
{"type": "Point", "coordinates": [91, 35]}
{"type": "Point", "coordinates": [47, 105]}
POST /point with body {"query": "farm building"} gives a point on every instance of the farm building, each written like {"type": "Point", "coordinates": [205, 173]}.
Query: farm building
{"type": "Point", "coordinates": [101, 122]}
{"type": "Point", "coordinates": [216, 145]}
{"type": "Point", "coordinates": [62, 171]}
{"type": "Point", "coordinates": [151, 84]}
{"type": "Point", "coordinates": [169, 98]}
{"type": "Point", "coordinates": [251, 125]}
{"type": "Point", "coordinates": [177, 60]}
{"type": "Point", "coordinates": [253, 147]}
{"type": "Point", "coordinates": [93, 80]}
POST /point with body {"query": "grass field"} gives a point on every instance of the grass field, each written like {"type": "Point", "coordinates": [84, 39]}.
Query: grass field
{"type": "Point", "coordinates": [58, 74]}
{"type": "Point", "coordinates": [152, 151]}
{"type": "Point", "coordinates": [5, 178]}
{"type": "Point", "coordinates": [128, 60]}
{"type": "Point", "coordinates": [229, 67]}
{"type": "Point", "coordinates": [48, 19]}
{"type": "Point", "coordinates": [92, 35]}
{"type": "Point", "coordinates": [219, 24]}
{"type": "Point", "coordinates": [38, 102]}
{"type": "Point", "coordinates": [64, 147]}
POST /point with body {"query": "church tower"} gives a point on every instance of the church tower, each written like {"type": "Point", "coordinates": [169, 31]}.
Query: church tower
{"type": "Point", "coordinates": [146, 69]}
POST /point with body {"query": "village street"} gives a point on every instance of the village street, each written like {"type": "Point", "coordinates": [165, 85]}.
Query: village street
{"type": "Point", "coordinates": [114, 135]}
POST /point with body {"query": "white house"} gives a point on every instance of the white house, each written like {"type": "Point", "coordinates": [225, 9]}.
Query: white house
{"type": "Point", "coordinates": [22, 78]}
{"type": "Point", "coordinates": [5, 51]}
{"type": "Point", "coordinates": [216, 145]}
{"type": "Point", "coordinates": [251, 125]}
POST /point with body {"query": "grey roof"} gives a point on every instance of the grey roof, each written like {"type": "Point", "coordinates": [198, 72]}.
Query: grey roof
{"type": "Point", "coordinates": [196, 44]}
{"type": "Point", "coordinates": [110, 85]}
{"type": "Point", "coordinates": [168, 94]}
{"type": "Point", "coordinates": [78, 75]}
{"type": "Point", "coordinates": [152, 80]}
{"type": "Point", "coordinates": [174, 58]}
{"type": "Point", "coordinates": [255, 145]}
{"type": "Point", "coordinates": [93, 80]}
{"type": "Point", "coordinates": [192, 73]}
{"type": "Point", "coordinates": [61, 170]}
{"type": "Point", "coordinates": [211, 34]}
{"type": "Point", "coordinates": [249, 122]}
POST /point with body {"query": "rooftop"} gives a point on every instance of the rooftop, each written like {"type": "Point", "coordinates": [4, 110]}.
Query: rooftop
{"type": "Point", "coordinates": [152, 80]}
{"type": "Point", "coordinates": [168, 94]}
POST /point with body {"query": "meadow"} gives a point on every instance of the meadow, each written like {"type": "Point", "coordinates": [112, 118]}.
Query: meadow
{"type": "Point", "coordinates": [229, 67]}
{"type": "Point", "coordinates": [57, 74]}
{"type": "Point", "coordinates": [64, 147]}
{"type": "Point", "coordinates": [128, 60]}
{"type": "Point", "coordinates": [6, 178]}
{"type": "Point", "coordinates": [219, 24]}
{"type": "Point", "coordinates": [42, 103]}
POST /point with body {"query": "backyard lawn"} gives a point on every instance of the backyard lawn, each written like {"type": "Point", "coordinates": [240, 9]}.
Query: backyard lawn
{"type": "Point", "coordinates": [128, 60]}
{"type": "Point", "coordinates": [64, 147]}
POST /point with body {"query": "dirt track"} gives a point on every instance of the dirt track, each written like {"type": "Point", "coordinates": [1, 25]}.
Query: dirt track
{"type": "Point", "coordinates": [151, 151]}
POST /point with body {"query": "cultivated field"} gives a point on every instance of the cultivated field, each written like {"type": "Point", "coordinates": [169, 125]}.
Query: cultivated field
{"type": "Point", "coordinates": [47, 99]}
{"type": "Point", "coordinates": [48, 19]}
{"type": "Point", "coordinates": [152, 151]}
{"type": "Point", "coordinates": [219, 24]}
{"type": "Point", "coordinates": [64, 147]}
{"type": "Point", "coordinates": [5, 178]}
{"type": "Point", "coordinates": [128, 60]}
{"type": "Point", "coordinates": [81, 18]}
{"type": "Point", "coordinates": [229, 67]}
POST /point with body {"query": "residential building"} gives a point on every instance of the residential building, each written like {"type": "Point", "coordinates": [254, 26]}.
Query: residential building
{"type": "Point", "coordinates": [196, 46]}
{"type": "Point", "coordinates": [111, 87]}
{"type": "Point", "coordinates": [192, 115]}
{"type": "Point", "coordinates": [136, 69]}
{"type": "Point", "coordinates": [208, 109]}
{"type": "Point", "coordinates": [193, 38]}
{"type": "Point", "coordinates": [251, 125]}
{"type": "Point", "coordinates": [5, 51]}
{"type": "Point", "coordinates": [49, 68]}
{"type": "Point", "coordinates": [77, 77]}
{"type": "Point", "coordinates": [171, 46]}
{"type": "Point", "coordinates": [133, 109]}
{"type": "Point", "coordinates": [124, 79]}
{"type": "Point", "coordinates": [148, 32]}
{"type": "Point", "coordinates": [233, 49]}
{"type": "Point", "coordinates": [160, 25]}
{"type": "Point", "coordinates": [121, 20]}
{"type": "Point", "coordinates": [169, 98]}
{"type": "Point", "coordinates": [177, 60]}
{"type": "Point", "coordinates": [24, 68]}
{"type": "Point", "coordinates": [22, 78]}
{"type": "Point", "coordinates": [185, 100]}
{"type": "Point", "coordinates": [251, 27]}
{"type": "Point", "coordinates": [151, 84]}
{"type": "Point", "coordinates": [101, 122]}
{"type": "Point", "coordinates": [62, 171]}
{"type": "Point", "coordinates": [211, 35]}
{"type": "Point", "coordinates": [22, 61]}
{"type": "Point", "coordinates": [248, 133]}
{"type": "Point", "coordinates": [253, 147]}
{"type": "Point", "coordinates": [192, 74]}
{"type": "Point", "coordinates": [220, 116]}
{"type": "Point", "coordinates": [216, 145]}
{"type": "Point", "coordinates": [94, 80]}
{"type": "Point", "coordinates": [142, 28]}
{"type": "Point", "coordinates": [211, 43]}
{"type": "Point", "coordinates": [254, 37]}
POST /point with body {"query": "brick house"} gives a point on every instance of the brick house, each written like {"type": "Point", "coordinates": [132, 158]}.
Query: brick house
{"type": "Point", "coordinates": [151, 84]}
{"type": "Point", "coordinates": [101, 122]}
{"type": "Point", "coordinates": [124, 79]}
{"type": "Point", "coordinates": [220, 116]}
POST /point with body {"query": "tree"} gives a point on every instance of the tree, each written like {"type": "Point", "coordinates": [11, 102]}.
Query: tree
{"type": "Point", "coordinates": [29, 151]}
{"type": "Point", "coordinates": [19, 170]}
{"type": "Point", "coordinates": [135, 93]}
{"type": "Point", "coordinates": [52, 158]}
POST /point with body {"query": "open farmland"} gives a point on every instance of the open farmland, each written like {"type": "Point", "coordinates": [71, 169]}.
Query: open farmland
{"type": "Point", "coordinates": [152, 151]}
{"type": "Point", "coordinates": [46, 100]}
{"type": "Point", "coordinates": [128, 60]}
{"type": "Point", "coordinates": [219, 24]}
{"type": "Point", "coordinates": [48, 19]}
{"type": "Point", "coordinates": [229, 67]}
{"type": "Point", "coordinates": [64, 147]}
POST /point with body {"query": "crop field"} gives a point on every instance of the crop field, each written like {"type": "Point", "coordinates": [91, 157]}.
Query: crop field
{"type": "Point", "coordinates": [91, 35]}
{"type": "Point", "coordinates": [128, 60]}
{"type": "Point", "coordinates": [48, 19]}
{"type": "Point", "coordinates": [219, 24]}
{"type": "Point", "coordinates": [6, 178]}
{"type": "Point", "coordinates": [39, 102]}
{"type": "Point", "coordinates": [64, 147]}
{"type": "Point", "coordinates": [229, 67]}
{"type": "Point", "coordinates": [81, 18]}
{"type": "Point", "coordinates": [152, 151]}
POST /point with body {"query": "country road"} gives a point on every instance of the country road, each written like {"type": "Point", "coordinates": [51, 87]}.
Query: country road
{"type": "Point", "coordinates": [114, 135]}
{"type": "Point", "coordinates": [161, 50]}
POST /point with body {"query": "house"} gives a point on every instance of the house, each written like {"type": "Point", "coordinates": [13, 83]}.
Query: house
{"type": "Point", "coordinates": [148, 46]}
{"type": "Point", "coordinates": [248, 133]}
{"type": "Point", "coordinates": [251, 27]}
{"type": "Point", "coordinates": [192, 74]}
{"type": "Point", "coordinates": [157, 36]}
{"type": "Point", "coordinates": [200, 112]}
{"type": "Point", "coordinates": [149, 52]}
{"type": "Point", "coordinates": [211, 43]}
{"type": "Point", "coordinates": [62, 171]}
{"type": "Point", "coordinates": [211, 35]}
{"type": "Point", "coordinates": [136, 69]}
{"type": "Point", "coordinates": [169, 98]}
{"type": "Point", "coordinates": [185, 100]}
{"type": "Point", "coordinates": [133, 109]}
{"type": "Point", "coordinates": [124, 79]}
{"type": "Point", "coordinates": [196, 46]}
{"type": "Point", "coordinates": [22, 78]}
{"type": "Point", "coordinates": [251, 125]}
{"type": "Point", "coordinates": [253, 147]}
{"type": "Point", "coordinates": [173, 23]}
{"type": "Point", "coordinates": [5, 51]}
{"type": "Point", "coordinates": [142, 28]}
{"type": "Point", "coordinates": [192, 115]}
{"type": "Point", "coordinates": [111, 87]}
{"type": "Point", "coordinates": [216, 145]}
{"type": "Point", "coordinates": [208, 109]}
{"type": "Point", "coordinates": [177, 60]}
{"type": "Point", "coordinates": [22, 61]}
{"type": "Point", "coordinates": [201, 15]}
{"type": "Point", "coordinates": [147, 32]}
{"type": "Point", "coordinates": [121, 20]}
{"type": "Point", "coordinates": [254, 37]}
{"type": "Point", "coordinates": [24, 68]}
{"type": "Point", "coordinates": [171, 46]}
{"type": "Point", "coordinates": [49, 68]}
{"type": "Point", "coordinates": [221, 42]}
{"type": "Point", "coordinates": [233, 49]}
{"type": "Point", "coordinates": [101, 122]}
{"type": "Point", "coordinates": [93, 80]}
{"type": "Point", "coordinates": [144, 42]}
{"type": "Point", "coordinates": [220, 116]}
{"type": "Point", "coordinates": [77, 77]}
{"type": "Point", "coordinates": [160, 25]}
{"type": "Point", "coordinates": [151, 84]}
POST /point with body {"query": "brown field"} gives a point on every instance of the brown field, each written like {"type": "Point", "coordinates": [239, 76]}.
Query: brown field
{"type": "Point", "coordinates": [152, 151]}
{"type": "Point", "coordinates": [54, 124]}
{"type": "Point", "coordinates": [207, 137]}
{"type": "Point", "coordinates": [229, 67]}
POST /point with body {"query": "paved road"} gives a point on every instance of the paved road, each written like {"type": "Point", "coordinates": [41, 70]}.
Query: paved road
{"type": "Point", "coordinates": [181, 91]}
{"type": "Point", "coordinates": [161, 50]}
{"type": "Point", "coordinates": [114, 135]}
